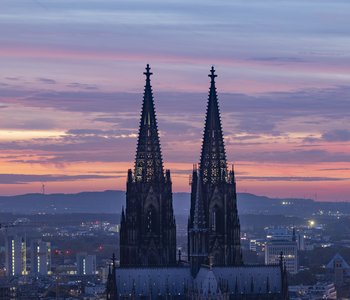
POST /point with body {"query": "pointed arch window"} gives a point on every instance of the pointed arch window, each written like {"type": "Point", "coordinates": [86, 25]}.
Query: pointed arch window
{"type": "Point", "coordinates": [213, 220]}
{"type": "Point", "coordinates": [216, 219]}
{"type": "Point", "coordinates": [151, 220]}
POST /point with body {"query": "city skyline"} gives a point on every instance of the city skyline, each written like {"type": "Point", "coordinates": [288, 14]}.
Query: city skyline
{"type": "Point", "coordinates": [72, 84]}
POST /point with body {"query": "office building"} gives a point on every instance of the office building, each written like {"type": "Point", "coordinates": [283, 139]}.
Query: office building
{"type": "Point", "coordinates": [289, 250]}
{"type": "Point", "coordinates": [86, 264]}
{"type": "Point", "coordinates": [15, 255]}
{"type": "Point", "coordinates": [40, 257]}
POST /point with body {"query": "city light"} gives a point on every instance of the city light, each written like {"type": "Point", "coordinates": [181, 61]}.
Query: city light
{"type": "Point", "coordinates": [312, 223]}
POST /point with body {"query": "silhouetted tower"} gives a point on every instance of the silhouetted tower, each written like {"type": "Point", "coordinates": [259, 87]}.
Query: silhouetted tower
{"type": "Point", "coordinates": [111, 288]}
{"type": "Point", "coordinates": [217, 192]}
{"type": "Point", "coordinates": [148, 230]}
{"type": "Point", "coordinates": [198, 231]}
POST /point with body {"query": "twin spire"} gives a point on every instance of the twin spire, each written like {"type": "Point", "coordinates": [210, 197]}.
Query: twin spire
{"type": "Point", "coordinates": [213, 165]}
{"type": "Point", "coordinates": [149, 163]}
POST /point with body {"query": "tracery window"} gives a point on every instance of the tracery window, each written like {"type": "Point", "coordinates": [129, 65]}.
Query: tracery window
{"type": "Point", "coordinates": [213, 220]}
{"type": "Point", "coordinates": [216, 219]}
{"type": "Point", "coordinates": [151, 220]}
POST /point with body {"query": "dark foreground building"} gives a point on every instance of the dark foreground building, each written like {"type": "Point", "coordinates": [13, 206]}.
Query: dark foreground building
{"type": "Point", "coordinates": [215, 270]}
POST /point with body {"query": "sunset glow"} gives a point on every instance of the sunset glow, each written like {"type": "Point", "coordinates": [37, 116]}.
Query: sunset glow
{"type": "Point", "coordinates": [71, 88]}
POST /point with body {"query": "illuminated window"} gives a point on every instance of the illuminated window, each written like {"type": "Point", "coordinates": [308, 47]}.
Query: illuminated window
{"type": "Point", "coordinates": [84, 266]}
{"type": "Point", "coordinates": [13, 256]}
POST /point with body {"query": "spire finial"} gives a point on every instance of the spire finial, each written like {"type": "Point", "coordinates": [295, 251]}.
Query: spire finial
{"type": "Point", "coordinates": [212, 74]}
{"type": "Point", "coordinates": [148, 73]}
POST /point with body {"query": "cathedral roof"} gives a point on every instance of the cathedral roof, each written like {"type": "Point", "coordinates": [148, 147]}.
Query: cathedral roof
{"type": "Point", "coordinates": [207, 281]}
{"type": "Point", "coordinates": [161, 281]}
{"type": "Point", "coordinates": [251, 279]}
{"type": "Point", "coordinates": [148, 162]}
{"type": "Point", "coordinates": [152, 280]}
{"type": "Point", "coordinates": [213, 163]}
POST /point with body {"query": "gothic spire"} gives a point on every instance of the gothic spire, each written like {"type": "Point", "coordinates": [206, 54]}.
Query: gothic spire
{"type": "Point", "coordinates": [123, 215]}
{"type": "Point", "coordinates": [148, 163]}
{"type": "Point", "coordinates": [111, 288]}
{"type": "Point", "coordinates": [199, 216]}
{"type": "Point", "coordinates": [213, 163]}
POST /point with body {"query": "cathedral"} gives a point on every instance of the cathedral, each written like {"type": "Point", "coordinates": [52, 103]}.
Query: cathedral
{"type": "Point", "coordinates": [149, 267]}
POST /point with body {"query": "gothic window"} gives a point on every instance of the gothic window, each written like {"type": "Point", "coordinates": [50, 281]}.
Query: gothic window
{"type": "Point", "coordinates": [151, 220]}
{"type": "Point", "coordinates": [216, 219]}
{"type": "Point", "coordinates": [213, 219]}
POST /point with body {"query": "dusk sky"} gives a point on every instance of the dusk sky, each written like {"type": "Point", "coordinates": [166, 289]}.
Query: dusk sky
{"type": "Point", "coordinates": [71, 87]}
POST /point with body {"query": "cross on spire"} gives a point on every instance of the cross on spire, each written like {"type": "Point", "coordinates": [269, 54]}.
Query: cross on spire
{"type": "Point", "coordinates": [213, 165]}
{"type": "Point", "coordinates": [212, 74]}
{"type": "Point", "coordinates": [148, 73]}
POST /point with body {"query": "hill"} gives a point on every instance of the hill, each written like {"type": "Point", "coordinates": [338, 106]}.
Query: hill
{"type": "Point", "coordinates": [112, 202]}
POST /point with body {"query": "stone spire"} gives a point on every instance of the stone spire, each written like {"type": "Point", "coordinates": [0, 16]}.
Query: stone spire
{"type": "Point", "coordinates": [111, 288]}
{"type": "Point", "coordinates": [148, 162]}
{"type": "Point", "coordinates": [197, 229]}
{"type": "Point", "coordinates": [213, 163]}
{"type": "Point", "coordinates": [216, 194]}
{"type": "Point", "coordinates": [199, 215]}
{"type": "Point", "coordinates": [123, 215]}
{"type": "Point", "coordinates": [148, 228]}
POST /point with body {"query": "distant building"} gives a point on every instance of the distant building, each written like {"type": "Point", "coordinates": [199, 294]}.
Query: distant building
{"type": "Point", "coordinates": [103, 274]}
{"type": "Point", "coordinates": [300, 239]}
{"type": "Point", "coordinates": [257, 245]}
{"type": "Point", "coordinates": [313, 292]}
{"type": "Point", "coordinates": [15, 255]}
{"type": "Point", "coordinates": [40, 257]}
{"type": "Point", "coordinates": [86, 264]}
{"type": "Point", "coordinates": [252, 245]}
{"type": "Point", "coordinates": [289, 249]}
{"type": "Point", "coordinates": [279, 233]}
{"type": "Point", "coordinates": [94, 289]}
{"type": "Point", "coordinates": [7, 289]}
{"type": "Point", "coordinates": [338, 270]}
{"type": "Point", "coordinates": [284, 233]}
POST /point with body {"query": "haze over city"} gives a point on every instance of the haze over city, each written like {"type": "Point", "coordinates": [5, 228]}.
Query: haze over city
{"type": "Point", "coordinates": [71, 89]}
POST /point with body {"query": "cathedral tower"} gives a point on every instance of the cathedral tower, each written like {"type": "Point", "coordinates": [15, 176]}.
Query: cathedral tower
{"type": "Point", "coordinates": [214, 189]}
{"type": "Point", "coordinates": [148, 230]}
